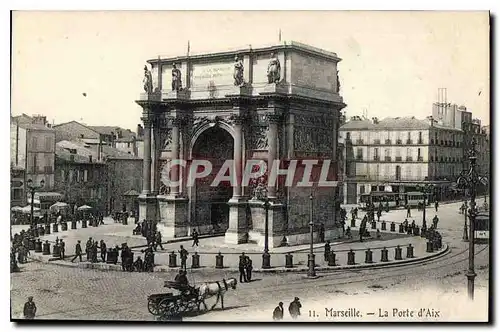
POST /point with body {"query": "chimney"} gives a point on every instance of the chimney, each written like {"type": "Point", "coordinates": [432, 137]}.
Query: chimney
{"type": "Point", "coordinates": [375, 120]}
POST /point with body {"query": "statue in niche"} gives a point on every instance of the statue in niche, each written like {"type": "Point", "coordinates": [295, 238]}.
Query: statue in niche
{"type": "Point", "coordinates": [338, 82]}
{"type": "Point", "coordinates": [238, 72]}
{"type": "Point", "coordinates": [176, 78]}
{"type": "Point", "coordinates": [273, 70]}
{"type": "Point", "coordinates": [148, 80]}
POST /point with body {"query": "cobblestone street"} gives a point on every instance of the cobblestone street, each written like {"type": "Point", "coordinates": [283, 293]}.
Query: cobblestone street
{"type": "Point", "coordinates": [73, 293]}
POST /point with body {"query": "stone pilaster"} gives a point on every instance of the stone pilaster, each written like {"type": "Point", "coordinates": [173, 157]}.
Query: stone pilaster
{"type": "Point", "coordinates": [272, 138]}
{"type": "Point", "coordinates": [276, 222]}
{"type": "Point", "coordinates": [147, 201]}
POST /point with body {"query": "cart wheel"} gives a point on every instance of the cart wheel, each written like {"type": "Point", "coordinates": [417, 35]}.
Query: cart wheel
{"type": "Point", "coordinates": [153, 307]}
{"type": "Point", "coordinates": [168, 308]}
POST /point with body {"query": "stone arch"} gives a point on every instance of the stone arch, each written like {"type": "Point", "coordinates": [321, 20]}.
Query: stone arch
{"type": "Point", "coordinates": [219, 124]}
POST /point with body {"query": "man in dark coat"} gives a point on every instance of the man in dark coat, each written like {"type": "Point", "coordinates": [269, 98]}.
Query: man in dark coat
{"type": "Point", "coordinates": [29, 309]}
{"type": "Point", "coordinates": [294, 308]}
{"type": "Point", "coordinates": [435, 221]}
{"type": "Point", "coordinates": [103, 248]}
{"type": "Point", "coordinates": [183, 253]}
{"type": "Point", "coordinates": [138, 264]}
{"type": "Point", "coordinates": [278, 312]}
{"type": "Point", "coordinates": [88, 247]}
{"type": "Point", "coordinates": [408, 211]}
{"type": "Point", "coordinates": [241, 267]}
{"type": "Point", "coordinates": [248, 269]}
{"type": "Point", "coordinates": [78, 251]}
{"type": "Point", "coordinates": [62, 249]}
{"type": "Point", "coordinates": [436, 206]}
{"type": "Point", "coordinates": [158, 241]}
{"type": "Point", "coordinates": [196, 241]}
{"type": "Point", "coordinates": [327, 250]}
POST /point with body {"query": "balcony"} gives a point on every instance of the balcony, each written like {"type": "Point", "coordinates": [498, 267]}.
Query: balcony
{"type": "Point", "coordinates": [359, 141]}
{"type": "Point", "coordinates": [377, 141]}
{"type": "Point", "coordinates": [388, 141]}
{"type": "Point", "coordinates": [420, 141]}
{"type": "Point", "coordinates": [376, 158]}
{"type": "Point", "coordinates": [399, 158]}
{"type": "Point", "coordinates": [421, 158]}
{"type": "Point", "coordinates": [398, 141]}
{"type": "Point", "coordinates": [409, 141]}
{"type": "Point", "coordinates": [409, 158]}
{"type": "Point", "coordinates": [387, 158]}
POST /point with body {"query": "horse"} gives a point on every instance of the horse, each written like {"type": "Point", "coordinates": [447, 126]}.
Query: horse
{"type": "Point", "coordinates": [209, 289]}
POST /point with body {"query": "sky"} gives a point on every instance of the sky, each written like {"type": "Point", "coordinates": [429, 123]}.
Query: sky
{"type": "Point", "coordinates": [393, 62]}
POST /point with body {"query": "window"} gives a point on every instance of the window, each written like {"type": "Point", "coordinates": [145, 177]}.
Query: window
{"type": "Point", "coordinates": [419, 155]}
{"type": "Point", "coordinates": [359, 154]}
{"type": "Point", "coordinates": [362, 189]}
{"type": "Point", "coordinates": [62, 175]}
{"type": "Point", "coordinates": [85, 175]}
{"type": "Point", "coordinates": [47, 169]}
{"type": "Point", "coordinates": [387, 155]}
{"type": "Point", "coordinates": [408, 140]}
{"type": "Point", "coordinates": [420, 140]}
{"type": "Point", "coordinates": [70, 176]}
{"type": "Point", "coordinates": [128, 145]}
{"type": "Point", "coordinates": [348, 136]}
{"type": "Point", "coordinates": [398, 154]}
{"type": "Point", "coordinates": [408, 154]}
{"type": "Point", "coordinates": [35, 164]}
{"type": "Point", "coordinates": [375, 154]}
{"type": "Point", "coordinates": [398, 172]}
{"type": "Point", "coordinates": [48, 144]}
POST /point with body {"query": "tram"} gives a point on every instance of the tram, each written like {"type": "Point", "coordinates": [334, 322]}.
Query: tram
{"type": "Point", "coordinates": [482, 228]}
{"type": "Point", "coordinates": [394, 200]}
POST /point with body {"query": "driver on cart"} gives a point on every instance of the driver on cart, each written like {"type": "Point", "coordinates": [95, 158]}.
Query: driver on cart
{"type": "Point", "coordinates": [183, 283]}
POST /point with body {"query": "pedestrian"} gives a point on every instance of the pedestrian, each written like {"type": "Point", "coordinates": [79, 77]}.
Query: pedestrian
{"type": "Point", "coordinates": [241, 267]}
{"type": "Point", "coordinates": [78, 251]}
{"type": "Point", "coordinates": [294, 308]}
{"type": "Point", "coordinates": [321, 232]}
{"type": "Point", "coordinates": [379, 213]}
{"type": "Point", "coordinates": [183, 253]}
{"type": "Point", "coordinates": [138, 265]}
{"type": "Point", "coordinates": [408, 211]}
{"type": "Point", "coordinates": [29, 309]}
{"type": "Point", "coordinates": [435, 221]}
{"type": "Point", "coordinates": [378, 234]}
{"type": "Point", "coordinates": [436, 205]}
{"type": "Point", "coordinates": [103, 248]}
{"type": "Point", "coordinates": [348, 233]}
{"type": "Point", "coordinates": [94, 252]}
{"type": "Point", "coordinates": [248, 269]}
{"type": "Point", "coordinates": [158, 241]}
{"type": "Point", "coordinates": [62, 249]}
{"type": "Point", "coordinates": [124, 257]}
{"type": "Point", "coordinates": [327, 250]}
{"type": "Point", "coordinates": [278, 312]}
{"type": "Point", "coordinates": [88, 247]}
{"type": "Point", "coordinates": [195, 238]}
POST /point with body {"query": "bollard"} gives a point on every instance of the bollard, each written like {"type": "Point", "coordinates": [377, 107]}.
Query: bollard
{"type": "Point", "coordinates": [219, 261]}
{"type": "Point", "coordinates": [331, 259]}
{"type": "Point", "coordinates": [393, 227]}
{"type": "Point", "coordinates": [73, 224]}
{"type": "Point", "coordinates": [374, 225]}
{"type": "Point", "coordinates": [46, 248]}
{"type": "Point", "coordinates": [430, 247]}
{"type": "Point", "coordinates": [401, 228]}
{"type": "Point", "coordinates": [31, 244]}
{"type": "Point", "coordinates": [416, 231]}
{"type": "Point", "coordinates": [409, 251]}
{"type": "Point", "coordinates": [35, 232]}
{"type": "Point", "coordinates": [41, 231]}
{"type": "Point", "coordinates": [397, 255]}
{"type": "Point", "coordinates": [384, 225]}
{"type": "Point", "coordinates": [56, 252]}
{"type": "Point", "coordinates": [110, 256]}
{"type": "Point", "coordinates": [368, 256]}
{"type": "Point", "coordinates": [409, 231]}
{"type": "Point", "coordinates": [38, 246]}
{"type": "Point", "coordinates": [384, 255]}
{"type": "Point", "coordinates": [64, 226]}
{"type": "Point", "coordinates": [172, 260]}
{"type": "Point", "coordinates": [195, 264]}
{"type": "Point", "coordinates": [289, 261]}
{"type": "Point", "coordinates": [353, 222]}
{"type": "Point", "coordinates": [84, 223]}
{"type": "Point", "coordinates": [47, 229]}
{"type": "Point", "coordinates": [55, 227]}
{"type": "Point", "coordinates": [351, 259]}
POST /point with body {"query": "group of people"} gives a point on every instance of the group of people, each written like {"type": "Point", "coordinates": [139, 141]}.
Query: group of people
{"type": "Point", "coordinates": [245, 267]}
{"type": "Point", "coordinates": [293, 310]}
{"type": "Point", "coordinates": [148, 229]}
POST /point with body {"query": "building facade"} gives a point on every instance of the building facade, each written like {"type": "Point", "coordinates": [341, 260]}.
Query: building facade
{"type": "Point", "coordinates": [279, 102]}
{"type": "Point", "coordinates": [124, 176]}
{"type": "Point", "coordinates": [397, 154]}
{"type": "Point", "coordinates": [33, 149]}
{"type": "Point", "coordinates": [80, 177]}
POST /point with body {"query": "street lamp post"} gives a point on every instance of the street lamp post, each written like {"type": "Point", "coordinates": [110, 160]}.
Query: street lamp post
{"type": "Point", "coordinates": [266, 257]}
{"type": "Point", "coordinates": [425, 189]}
{"type": "Point", "coordinates": [311, 272]}
{"type": "Point", "coordinates": [470, 179]}
{"type": "Point", "coordinates": [33, 188]}
{"type": "Point", "coordinates": [465, 236]}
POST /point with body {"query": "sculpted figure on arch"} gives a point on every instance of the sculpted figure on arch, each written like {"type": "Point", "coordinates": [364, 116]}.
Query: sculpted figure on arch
{"type": "Point", "coordinates": [148, 80]}
{"type": "Point", "coordinates": [176, 78]}
{"type": "Point", "coordinates": [273, 70]}
{"type": "Point", "coordinates": [238, 71]}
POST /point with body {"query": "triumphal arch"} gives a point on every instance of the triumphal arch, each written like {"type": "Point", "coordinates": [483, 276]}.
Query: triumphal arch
{"type": "Point", "coordinates": [278, 104]}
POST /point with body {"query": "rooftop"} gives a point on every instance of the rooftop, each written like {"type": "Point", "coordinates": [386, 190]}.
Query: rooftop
{"type": "Point", "coordinates": [398, 123]}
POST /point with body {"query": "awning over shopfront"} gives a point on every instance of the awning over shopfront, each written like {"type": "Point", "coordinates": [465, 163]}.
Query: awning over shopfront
{"type": "Point", "coordinates": [48, 196]}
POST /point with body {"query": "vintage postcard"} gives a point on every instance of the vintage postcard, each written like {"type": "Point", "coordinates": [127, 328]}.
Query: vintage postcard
{"type": "Point", "coordinates": [250, 166]}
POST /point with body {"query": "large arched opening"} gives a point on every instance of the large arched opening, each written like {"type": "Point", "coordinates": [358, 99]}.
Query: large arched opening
{"type": "Point", "coordinates": [210, 210]}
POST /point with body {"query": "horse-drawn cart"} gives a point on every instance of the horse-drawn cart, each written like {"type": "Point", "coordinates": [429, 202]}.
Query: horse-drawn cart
{"type": "Point", "coordinates": [167, 305]}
